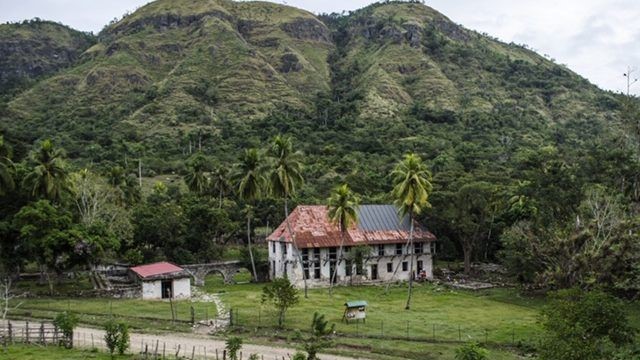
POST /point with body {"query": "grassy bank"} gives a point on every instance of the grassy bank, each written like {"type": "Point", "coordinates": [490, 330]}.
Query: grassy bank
{"type": "Point", "coordinates": [34, 352]}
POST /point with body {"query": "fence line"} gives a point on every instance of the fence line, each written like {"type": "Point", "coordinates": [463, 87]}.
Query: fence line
{"type": "Point", "coordinates": [411, 330]}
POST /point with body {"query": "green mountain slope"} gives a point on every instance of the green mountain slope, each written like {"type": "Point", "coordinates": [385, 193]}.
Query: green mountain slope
{"type": "Point", "coordinates": [357, 90]}
{"type": "Point", "coordinates": [36, 48]}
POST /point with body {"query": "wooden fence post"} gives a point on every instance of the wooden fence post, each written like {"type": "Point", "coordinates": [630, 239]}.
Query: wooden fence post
{"type": "Point", "coordinates": [26, 329]}
{"type": "Point", "coordinates": [10, 328]}
{"type": "Point", "coordinates": [224, 354]}
{"type": "Point", "coordinates": [42, 341]}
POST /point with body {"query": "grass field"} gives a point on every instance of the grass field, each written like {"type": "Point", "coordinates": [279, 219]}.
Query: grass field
{"type": "Point", "coordinates": [441, 314]}
{"type": "Point", "coordinates": [34, 352]}
{"type": "Point", "coordinates": [139, 314]}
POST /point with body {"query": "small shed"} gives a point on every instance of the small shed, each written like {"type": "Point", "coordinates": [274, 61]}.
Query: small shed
{"type": "Point", "coordinates": [162, 280]}
{"type": "Point", "coordinates": [355, 310]}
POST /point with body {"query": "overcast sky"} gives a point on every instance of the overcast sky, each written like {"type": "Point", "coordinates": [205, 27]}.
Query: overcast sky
{"type": "Point", "coordinates": [596, 38]}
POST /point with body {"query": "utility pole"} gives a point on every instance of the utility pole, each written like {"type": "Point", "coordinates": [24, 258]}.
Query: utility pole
{"type": "Point", "coordinates": [630, 82]}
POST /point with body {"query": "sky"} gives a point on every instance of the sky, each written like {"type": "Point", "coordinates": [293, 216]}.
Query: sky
{"type": "Point", "coordinates": [599, 39]}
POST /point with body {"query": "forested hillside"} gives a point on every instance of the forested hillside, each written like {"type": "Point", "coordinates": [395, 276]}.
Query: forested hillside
{"type": "Point", "coordinates": [524, 152]}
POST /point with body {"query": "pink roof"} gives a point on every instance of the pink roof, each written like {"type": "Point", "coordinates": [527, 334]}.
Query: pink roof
{"type": "Point", "coordinates": [312, 229]}
{"type": "Point", "coordinates": [155, 269]}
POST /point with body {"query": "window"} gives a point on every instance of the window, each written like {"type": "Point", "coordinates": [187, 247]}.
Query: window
{"type": "Point", "coordinates": [273, 269]}
{"type": "Point", "coordinates": [389, 267]}
{"type": "Point", "coordinates": [333, 253]}
{"type": "Point", "coordinates": [284, 248]}
{"type": "Point", "coordinates": [380, 250]}
{"type": "Point", "coordinates": [316, 273]}
{"type": "Point", "coordinates": [418, 248]}
{"type": "Point", "coordinates": [316, 253]}
{"type": "Point", "coordinates": [348, 268]}
{"type": "Point", "coordinates": [398, 249]}
{"type": "Point", "coordinates": [347, 249]}
{"type": "Point", "coordinates": [405, 266]}
{"type": "Point", "coordinates": [273, 247]}
{"type": "Point", "coordinates": [420, 265]}
{"type": "Point", "coordinates": [433, 248]}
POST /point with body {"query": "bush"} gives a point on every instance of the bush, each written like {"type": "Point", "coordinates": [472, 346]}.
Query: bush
{"type": "Point", "coordinates": [471, 351]}
{"type": "Point", "coordinates": [584, 325]}
{"type": "Point", "coordinates": [234, 344]}
{"type": "Point", "coordinates": [66, 322]}
{"type": "Point", "coordinates": [299, 356]}
{"type": "Point", "coordinates": [116, 337]}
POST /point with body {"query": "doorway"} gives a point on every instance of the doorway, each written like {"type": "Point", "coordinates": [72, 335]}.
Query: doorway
{"type": "Point", "coordinates": [374, 272]}
{"type": "Point", "coordinates": [167, 289]}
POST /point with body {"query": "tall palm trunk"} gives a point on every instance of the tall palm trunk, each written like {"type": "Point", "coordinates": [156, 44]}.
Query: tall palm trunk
{"type": "Point", "coordinates": [295, 247]}
{"type": "Point", "coordinates": [335, 270]}
{"type": "Point", "coordinates": [253, 264]}
{"type": "Point", "coordinates": [412, 255]}
{"type": "Point", "coordinates": [386, 290]}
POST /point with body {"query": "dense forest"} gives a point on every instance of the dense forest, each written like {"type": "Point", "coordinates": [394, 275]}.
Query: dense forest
{"type": "Point", "coordinates": [135, 148]}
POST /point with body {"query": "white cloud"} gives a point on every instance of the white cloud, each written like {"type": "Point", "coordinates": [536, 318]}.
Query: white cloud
{"type": "Point", "coordinates": [595, 38]}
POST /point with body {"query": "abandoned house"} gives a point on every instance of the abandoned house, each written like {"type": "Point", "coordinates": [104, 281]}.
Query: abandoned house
{"type": "Point", "coordinates": [162, 280]}
{"type": "Point", "coordinates": [374, 249]}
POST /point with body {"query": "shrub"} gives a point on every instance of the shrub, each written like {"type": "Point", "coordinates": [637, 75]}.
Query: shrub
{"type": "Point", "coordinates": [116, 337]}
{"type": "Point", "coordinates": [234, 344]}
{"type": "Point", "coordinates": [66, 322]}
{"type": "Point", "coordinates": [471, 351]}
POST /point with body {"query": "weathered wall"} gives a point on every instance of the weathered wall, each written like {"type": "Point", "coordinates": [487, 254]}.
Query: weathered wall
{"type": "Point", "coordinates": [182, 288]}
{"type": "Point", "coordinates": [282, 263]}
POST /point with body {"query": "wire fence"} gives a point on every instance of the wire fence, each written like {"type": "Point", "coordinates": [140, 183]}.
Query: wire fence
{"type": "Point", "coordinates": [396, 329]}
{"type": "Point", "coordinates": [147, 346]}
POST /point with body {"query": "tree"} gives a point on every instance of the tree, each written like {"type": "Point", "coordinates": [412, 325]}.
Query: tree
{"type": "Point", "coordinates": [474, 212]}
{"type": "Point", "coordinates": [116, 336]}
{"type": "Point", "coordinates": [49, 178]}
{"type": "Point", "coordinates": [250, 180]}
{"type": "Point", "coordinates": [319, 338]}
{"type": "Point", "coordinates": [43, 234]}
{"type": "Point", "coordinates": [285, 177]}
{"type": "Point", "coordinates": [196, 177]}
{"type": "Point", "coordinates": [342, 206]}
{"type": "Point", "coordinates": [233, 346]}
{"type": "Point", "coordinates": [6, 296]}
{"type": "Point", "coordinates": [411, 190]}
{"type": "Point", "coordinates": [582, 325]}
{"type": "Point", "coordinates": [220, 182]}
{"type": "Point", "coordinates": [6, 168]}
{"type": "Point", "coordinates": [282, 295]}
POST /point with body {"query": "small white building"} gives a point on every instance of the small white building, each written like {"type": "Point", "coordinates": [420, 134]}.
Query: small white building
{"type": "Point", "coordinates": [376, 249]}
{"type": "Point", "coordinates": [162, 280]}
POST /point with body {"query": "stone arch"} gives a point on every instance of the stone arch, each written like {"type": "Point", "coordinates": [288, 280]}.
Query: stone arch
{"type": "Point", "coordinates": [200, 271]}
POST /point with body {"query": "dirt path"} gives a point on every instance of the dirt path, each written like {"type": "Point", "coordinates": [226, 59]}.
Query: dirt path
{"type": "Point", "coordinates": [201, 346]}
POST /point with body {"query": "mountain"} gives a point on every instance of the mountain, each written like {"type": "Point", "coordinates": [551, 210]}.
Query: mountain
{"type": "Point", "coordinates": [33, 49]}
{"type": "Point", "coordinates": [356, 90]}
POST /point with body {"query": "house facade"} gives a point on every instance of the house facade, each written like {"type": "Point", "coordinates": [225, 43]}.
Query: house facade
{"type": "Point", "coordinates": [162, 280]}
{"type": "Point", "coordinates": [376, 249]}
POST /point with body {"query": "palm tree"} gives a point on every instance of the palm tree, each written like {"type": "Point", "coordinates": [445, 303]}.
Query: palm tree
{"type": "Point", "coordinates": [285, 177]}
{"type": "Point", "coordinates": [220, 181]}
{"type": "Point", "coordinates": [411, 189]}
{"type": "Point", "coordinates": [250, 180]}
{"type": "Point", "coordinates": [342, 212]}
{"type": "Point", "coordinates": [49, 178]}
{"type": "Point", "coordinates": [196, 177]}
{"type": "Point", "coordinates": [6, 168]}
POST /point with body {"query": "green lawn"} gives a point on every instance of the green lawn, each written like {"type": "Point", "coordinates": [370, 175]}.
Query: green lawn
{"type": "Point", "coordinates": [139, 314]}
{"type": "Point", "coordinates": [499, 315]}
{"type": "Point", "coordinates": [34, 352]}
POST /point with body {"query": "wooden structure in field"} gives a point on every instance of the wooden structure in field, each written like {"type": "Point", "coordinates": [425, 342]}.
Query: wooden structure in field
{"type": "Point", "coordinates": [355, 310]}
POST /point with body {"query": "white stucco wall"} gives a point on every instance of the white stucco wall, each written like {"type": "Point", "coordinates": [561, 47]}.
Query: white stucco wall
{"type": "Point", "coordinates": [278, 261]}
{"type": "Point", "coordinates": [153, 289]}
{"type": "Point", "coordinates": [182, 288]}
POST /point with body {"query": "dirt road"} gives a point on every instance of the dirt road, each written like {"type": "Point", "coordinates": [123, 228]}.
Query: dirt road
{"type": "Point", "coordinates": [186, 345]}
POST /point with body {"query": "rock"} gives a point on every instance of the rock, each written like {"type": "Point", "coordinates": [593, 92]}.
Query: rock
{"type": "Point", "coordinates": [413, 33]}
{"type": "Point", "coordinates": [290, 63]}
{"type": "Point", "coordinates": [307, 29]}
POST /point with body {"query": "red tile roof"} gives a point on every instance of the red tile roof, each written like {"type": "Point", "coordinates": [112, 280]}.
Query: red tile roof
{"type": "Point", "coordinates": [160, 268]}
{"type": "Point", "coordinates": [312, 229]}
